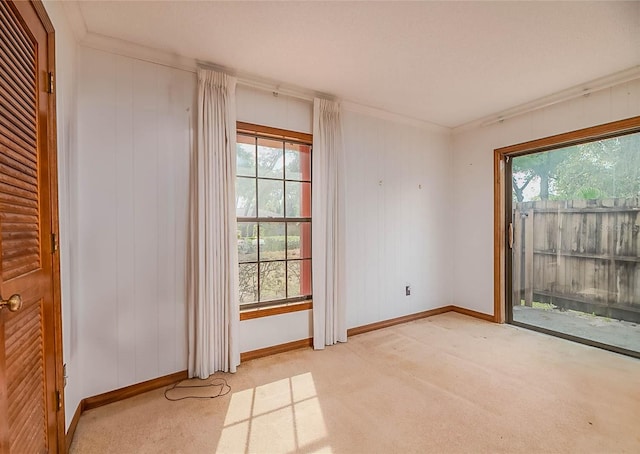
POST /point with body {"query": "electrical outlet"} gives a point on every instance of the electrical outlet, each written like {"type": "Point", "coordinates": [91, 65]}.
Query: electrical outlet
{"type": "Point", "coordinates": [407, 290]}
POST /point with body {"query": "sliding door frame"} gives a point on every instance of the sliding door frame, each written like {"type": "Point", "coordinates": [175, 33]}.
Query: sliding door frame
{"type": "Point", "coordinates": [502, 215]}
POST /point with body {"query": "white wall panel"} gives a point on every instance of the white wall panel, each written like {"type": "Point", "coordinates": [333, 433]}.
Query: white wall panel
{"type": "Point", "coordinates": [133, 185]}
{"type": "Point", "coordinates": [125, 247]}
{"type": "Point", "coordinates": [398, 214]}
{"type": "Point", "coordinates": [473, 179]}
{"type": "Point", "coordinates": [145, 222]}
{"type": "Point", "coordinates": [264, 332]}
{"type": "Point", "coordinates": [134, 150]}
{"type": "Point", "coordinates": [392, 228]}
{"type": "Point", "coordinates": [97, 205]}
{"type": "Point", "coordinates": [263, 108]}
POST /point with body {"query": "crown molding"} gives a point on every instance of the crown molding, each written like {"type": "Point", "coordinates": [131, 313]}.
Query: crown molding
{"type": "Point", "coordinates": [138, 52]}
{"type": "Point", "coordinates": [576, 91]}
{"type": "Point", "coordinates": [159, 57]}
{"type": "Point", "coordinates": [76, 19]}
{"type": "Point", "coordinates": [395, 117]}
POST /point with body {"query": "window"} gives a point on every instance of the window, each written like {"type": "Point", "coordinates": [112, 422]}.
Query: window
{"type": "Point", "coordinates": [273, 206]}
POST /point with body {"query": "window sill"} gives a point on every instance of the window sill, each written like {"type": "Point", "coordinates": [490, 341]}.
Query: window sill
{"type": "Point", "coordinates": [275, 310]}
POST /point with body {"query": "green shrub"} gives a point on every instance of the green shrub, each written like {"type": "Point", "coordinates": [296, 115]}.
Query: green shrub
{"type": "Point", "coordinates": [279, 243]}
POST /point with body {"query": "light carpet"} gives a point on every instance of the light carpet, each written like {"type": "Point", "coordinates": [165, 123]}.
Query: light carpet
{"type": "Point", "coordinates": [444, 384]}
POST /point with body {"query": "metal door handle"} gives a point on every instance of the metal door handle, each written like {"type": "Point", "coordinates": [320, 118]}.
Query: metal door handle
{"type": "Point", "coordinates": [511, 235]}
{"type": "Point", "coordinates": [14, 303]}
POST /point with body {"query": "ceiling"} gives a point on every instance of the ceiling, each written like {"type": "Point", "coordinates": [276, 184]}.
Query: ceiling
{"type": "Point", "coordinates": [447, 63]}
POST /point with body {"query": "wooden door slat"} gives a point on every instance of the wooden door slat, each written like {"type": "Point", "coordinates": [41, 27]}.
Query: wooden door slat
{"type": "Point", "coordinates": [15, 114]}
{"type": "Point", "coordinates": [17, 252]}
{"type": "Point", "coordinates": [19, 99]}
{"type": "Point", "coordinates": [19, 183]}
{"type": "Point", "coordinates": [19, 209]}
{"type": "Point", "coordinates": [13, 273]}
{"type": "Point", "coordinates": [14, 141]}
{"type": "Point", "coordinates": [11, 200]}
{"type": "Point", "coordinates": [12, 190]}
{"type": "Point", "coordinates": [23, 41]}
{"type": "Point", "coordinates": [31, 248]}
{"type": "Point", "coordinates": [20, 93]}
{"type": "Point", "coordinates": [29, 171]}
{"type": "Point", "coordinates": [22, 176]}
{"type": "Point", "coordinates": [19, 73]}
{"type": "Point", "coordinates": [12, 97]}
{"type": "Point", "coordinates": [16, 37]}
{"type": "Point", "coordinates": [18, 218]}
{"type": "Point", "coordinates": [10, 227]}
{"type": "Point", "coordinates": [19, 384]}
{"type": "Point", "coordinates": [23, 319]}
{"type": "Point", "coordinates": [20, 261]}
{"type": "Point", "coordinates": [28, 428]}
{"type": "Point", "coordinates": [14, 157]}
{"type": "Point", "coordinates": [11, 244]}
{"type": "Point", "coordinates": [18, 129]}
{"type": "Point", "coordinates": [25, 365]}
{"type": "Point", "coordinates": [20, 235]}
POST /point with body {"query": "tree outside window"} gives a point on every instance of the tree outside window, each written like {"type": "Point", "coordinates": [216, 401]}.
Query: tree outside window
{"type": "Point", "coordinates": [273, 206]}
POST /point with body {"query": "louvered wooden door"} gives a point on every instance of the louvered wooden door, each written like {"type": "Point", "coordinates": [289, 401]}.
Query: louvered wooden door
{"type": "Point", "coordinates": [28, 400]}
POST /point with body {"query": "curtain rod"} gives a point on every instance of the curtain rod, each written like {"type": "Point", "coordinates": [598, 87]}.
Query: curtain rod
{"type": "Point", "coordinates": [578, 91]}
{"type": "Point", "coordinates": [274, 87]}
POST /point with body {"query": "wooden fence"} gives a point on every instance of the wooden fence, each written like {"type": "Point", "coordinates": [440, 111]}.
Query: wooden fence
{"type": "Point", "coordinates": [579, 254]}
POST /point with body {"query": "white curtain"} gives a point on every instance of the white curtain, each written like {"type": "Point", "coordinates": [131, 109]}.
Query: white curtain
{"type": "Point", "coordinates": [327, 217]}
{"type": "Point", "coordinates": [213, 275]}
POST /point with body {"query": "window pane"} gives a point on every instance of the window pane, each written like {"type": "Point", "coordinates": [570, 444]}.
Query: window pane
{"type": "Point", "coordinates": [297, 162]}
{"type": "Point", "coordinates": [270, 158]}
{"type": "Point", "coordinates": [298, 199]}
{"type": "Point", "coordinates": [273, 183]}
{"type": "Point", "coordinates": [248, 288]}
{"type": "Point", "coordinates": [247, 242]}
{"type": "Point", "coordinates": [270, 198]}
{"type": "Point", "coordinates": [245, 197]}
{"type": "Point", "coordinates": [272, 281]}
{"type": "Point", "coordinates": [298, 240]}
{"type": "Point", "coordinates": [298, 278]}
{"type": "Point", "coordinates": [246, 156]}
{"type": "Point", "coordinates": [575, 252]}
{"type": "Point", "coordinates": [272, 241]}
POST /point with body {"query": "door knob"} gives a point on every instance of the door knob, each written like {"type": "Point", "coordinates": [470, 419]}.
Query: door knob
{"type": "Point", "coordinates": [14, 303]}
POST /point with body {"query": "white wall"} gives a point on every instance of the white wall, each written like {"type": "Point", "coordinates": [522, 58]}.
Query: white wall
{"type": "Point", "coordinates": [473, 179]}
{"type": "Point", "coordinates": [398, 217]}
{"type": "Point", "coordinates": [65, 72]}
{"type": "Point", "coordinates": [394, 230]}
{"type": "Point", "coordinates": [132, 211]}
{"type": "Point", "coordinates": [261, 107]}
{"type": "Point", "coordinates": [132, 179]}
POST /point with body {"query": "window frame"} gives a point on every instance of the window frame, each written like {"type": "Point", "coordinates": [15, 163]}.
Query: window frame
{"type": "Point", "coordinates": [283, 305]}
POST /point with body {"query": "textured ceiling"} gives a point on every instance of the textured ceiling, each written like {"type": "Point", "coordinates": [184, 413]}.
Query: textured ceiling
{"type": "Point", "coordinates": [447, 63]}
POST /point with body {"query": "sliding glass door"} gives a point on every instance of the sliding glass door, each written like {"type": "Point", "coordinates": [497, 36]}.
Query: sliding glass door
{"type": "Point", "coordinates": [573, 218]}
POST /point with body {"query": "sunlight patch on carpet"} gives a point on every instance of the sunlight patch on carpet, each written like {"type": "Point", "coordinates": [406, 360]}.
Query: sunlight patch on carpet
{"type": "Point", "coordinates": [282, 416]}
